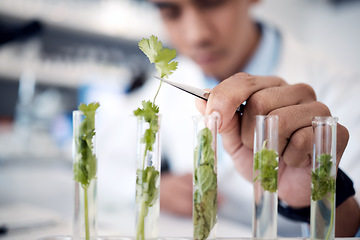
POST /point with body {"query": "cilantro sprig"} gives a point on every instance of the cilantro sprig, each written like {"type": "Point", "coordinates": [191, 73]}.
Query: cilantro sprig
{"type": "Point", "coordinates": [205, 180]}
{"type": "Point", "coordinates": [149, 113]}
{"type": "Point", "coordinates": [85, 160]}
{"type": "Point", "coordinates": [266, 162]}
{"type": "Point", "coordinates": [146, 189]}
{"type": "Point", "coordinates": [322, 181]}
{"type": "Point", "coordinates": [162, 57]}
{"type": "Point", "coordinates": [85, 164]}
{"type": "Point", "coordinates": [323, 184]}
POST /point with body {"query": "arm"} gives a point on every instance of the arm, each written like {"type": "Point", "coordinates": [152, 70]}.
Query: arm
{"type": "Point", "coordinates": [176, 193]}
{"type": "Point", "coordinates": [347, 221]}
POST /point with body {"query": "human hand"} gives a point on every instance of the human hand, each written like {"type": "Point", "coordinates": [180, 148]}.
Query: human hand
{"type": "Point", "coordinates": [176, 193]}
{"type": "Point", "coordinates": [295, 106]}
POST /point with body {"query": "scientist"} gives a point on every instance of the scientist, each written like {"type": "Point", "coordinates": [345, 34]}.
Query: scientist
{"type": "Point", "coordinates": [225, 50]}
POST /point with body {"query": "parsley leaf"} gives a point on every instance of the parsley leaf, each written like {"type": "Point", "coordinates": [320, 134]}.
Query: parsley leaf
{"type": "Point", "coordinates": [205, 180]}
{"type": "Point", "coordinates": [162, 57]}
{"type": "Point", "coordinates": [322, 181]}
{"type": "Point", "coordinates": [266, 162]}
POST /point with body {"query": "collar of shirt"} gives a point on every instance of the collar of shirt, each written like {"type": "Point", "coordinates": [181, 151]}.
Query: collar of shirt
{"type": "Point", "coordinates": [265, 58]}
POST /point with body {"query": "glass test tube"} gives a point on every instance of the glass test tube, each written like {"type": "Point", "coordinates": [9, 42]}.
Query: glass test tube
{"type": "Point", "coordinates": [148, 165]}
{"type": "Point", "coordinates": [323, 178]}
{"type": "Point", "coordinates": [85, 171]}
{"type": "Point", "coordinates": [266, 161]}
{"type": "Point", "coordinates": [205, 178]}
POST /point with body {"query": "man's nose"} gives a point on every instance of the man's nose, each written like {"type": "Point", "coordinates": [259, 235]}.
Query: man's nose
{"type": "Point", "coordinates": [198, 29]}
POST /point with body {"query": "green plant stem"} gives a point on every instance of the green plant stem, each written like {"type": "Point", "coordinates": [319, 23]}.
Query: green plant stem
{"type": "Point", "coordinates": [332, 217]}
{"type": "Point", "coordinates": [87, 233]}
{"type": "Point", "coordinates": [157, 91]}
{"type": "Point", "coordinates": [140, 234]}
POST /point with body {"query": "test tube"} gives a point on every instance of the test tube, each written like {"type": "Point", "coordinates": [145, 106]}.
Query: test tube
{"type": "Point", "coordinates": [265, 177]}
{"type": "Point", "coordinates": [85, 177]}
{"type": "Point", "coordinates": [148, 165]}
{"type": "Point", "coordinates": [323, 178]}
{"type": "Point", "coordinates": [205, 178]}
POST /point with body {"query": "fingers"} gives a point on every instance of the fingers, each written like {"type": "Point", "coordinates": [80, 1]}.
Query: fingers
{"type": "Point", "coordinates": [265, 101]}
{"type": "Point", "coordinates": [277, 98]}
{"type": "Point", "coordinates": [295, 132]}
{"type": "Point", "coordinates": [226, 97]}
{"type": "Point", "coordinates": [342, 141]}
{"type": "Point", "coordinates": [295, 106]}
{"type": "Point", "coordinates": [201, 104]}
{"type": "Point", "coordinates": [298, 151]}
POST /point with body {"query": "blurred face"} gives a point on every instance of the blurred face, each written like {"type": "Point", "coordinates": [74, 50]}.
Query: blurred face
{"type": "Point", "coordinates": [218, 35]}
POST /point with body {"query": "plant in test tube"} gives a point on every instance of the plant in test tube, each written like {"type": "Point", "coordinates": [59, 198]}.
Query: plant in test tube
{"type": "Point", "coordinates": [205, 184]}
{"type": "Point", "coordinates": [85, 161]}
{"type": "Point", "coordinates": [147, 191]}
{"type": "Point", "coordinates": [265, 161]}
{"type": "Point", "coordinates": [323, 187]}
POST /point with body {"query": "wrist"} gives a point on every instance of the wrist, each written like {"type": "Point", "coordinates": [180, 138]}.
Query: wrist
{"type": "Point", "coordinates": [344, 190]}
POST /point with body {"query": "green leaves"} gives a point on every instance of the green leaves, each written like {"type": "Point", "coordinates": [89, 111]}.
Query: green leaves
{"type": "Point", "coordinates": [85, 165]}
{"type": "Point", "coordinates": [322, 182]}
{"type": "Point", "coordinates": [146, 190]}
{"type": "Point", "coordinates": [266, 162]}
{"type": "Point", "coordinates": [149, 113]}
{"type": "Point", "coordinates": [162, 57]}
{"type": "Point", "coordinates": [323, 187]}
{"type": "Point", "coordinates": [205, 180]}
{"type": "Point", "coordinates": [146, 182]}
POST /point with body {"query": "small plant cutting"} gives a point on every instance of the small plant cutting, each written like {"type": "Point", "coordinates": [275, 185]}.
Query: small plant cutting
{"type": "Point", "coordinates": [85, 161]}
{"type": "Point", "coordinates": [265, 177]}
{"type": "Point", "coordinates": [266, 162]}
{"type": "Point", "coordinates": [147, 176]}
{"type": "Point", "coordinates": [205, 183]}
{"type": "Point", "coordinates": [324, 185]}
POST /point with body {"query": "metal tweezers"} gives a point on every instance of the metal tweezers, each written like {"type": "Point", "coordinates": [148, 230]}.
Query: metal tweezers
{"type": "Point", "coordinates": [200, 93]}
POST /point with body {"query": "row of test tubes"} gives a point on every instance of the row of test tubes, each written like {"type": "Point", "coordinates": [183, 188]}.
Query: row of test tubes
{"type": "Point", "coordinates": [266, 161]}
{"type": "Point", "coordinates": [323, 178]}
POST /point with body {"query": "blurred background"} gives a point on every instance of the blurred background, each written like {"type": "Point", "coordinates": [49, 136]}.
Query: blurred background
{"type": "Point", "coordinates": [55, 54]}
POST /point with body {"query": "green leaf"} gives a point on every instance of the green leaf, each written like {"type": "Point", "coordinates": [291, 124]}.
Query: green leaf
{"type": "Point", "coordinates": [265, 161]}
{"type": "Point", "coordinates": [204, 214]}
{"type": "Point", "coordinates": [149, 113]}
{"type": "Point", "coordinates": [321, 179]}
{"type": "Point", "coordinates": [146, 182]}
{"type": "Point", "coordinates": [151, 47]}
{"type": "Point", "coordinates": [205, 180]}
{"type": "Point", "coordinates": [85, 166]}
{"type": "Point", "coordinates": [162, 57]}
